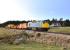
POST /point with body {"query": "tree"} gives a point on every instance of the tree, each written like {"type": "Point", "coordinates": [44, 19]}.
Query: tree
{"type": "Point", "coordinates": [61, 21]}
{"type": "Point", "coordinates": [54, 20]}
{"type": "Point", "coordinates": [67, 22]}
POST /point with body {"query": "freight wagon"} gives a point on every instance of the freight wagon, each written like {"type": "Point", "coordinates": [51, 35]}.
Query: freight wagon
{"type": "Point", "coordinates": [17, 26]}
{"type": "Point", "coordinates": [11, 26]}
{"type": "Point", "coordinates": [22, 26]}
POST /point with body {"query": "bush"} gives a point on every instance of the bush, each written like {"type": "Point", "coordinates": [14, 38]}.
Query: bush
{"type": "Point", "coordinates": [38, 35]}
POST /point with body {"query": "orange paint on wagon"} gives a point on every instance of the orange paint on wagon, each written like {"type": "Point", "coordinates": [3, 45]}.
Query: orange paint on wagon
{"type": "Point", "coordinates": [22, 26]}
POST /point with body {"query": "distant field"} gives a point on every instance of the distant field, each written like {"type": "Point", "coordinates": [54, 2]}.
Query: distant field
{"type": "Point", "coordinates": [28, 46]}
{"type": "Point", "coordinates": [60, 29]}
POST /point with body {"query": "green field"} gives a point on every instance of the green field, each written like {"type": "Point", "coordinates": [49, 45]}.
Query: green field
{"type": "Point", "coordinates": [60, 29]}
{"type": "Point", "coordinates": [28, 46]}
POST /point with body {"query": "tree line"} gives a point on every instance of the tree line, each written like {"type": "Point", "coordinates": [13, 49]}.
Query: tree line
{"type": "Point", "coordinates": [63, 23]}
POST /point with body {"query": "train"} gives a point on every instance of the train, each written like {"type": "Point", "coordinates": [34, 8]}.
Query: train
{"type": "Point", "coordinates": [35, 25]}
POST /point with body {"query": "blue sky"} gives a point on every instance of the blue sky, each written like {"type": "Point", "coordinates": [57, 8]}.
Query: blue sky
{"type": "Point", "coordinates": [34, 9]}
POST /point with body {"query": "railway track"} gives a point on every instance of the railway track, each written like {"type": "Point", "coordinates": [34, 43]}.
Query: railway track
{"type": "Point", "coordinates": [43, 31]}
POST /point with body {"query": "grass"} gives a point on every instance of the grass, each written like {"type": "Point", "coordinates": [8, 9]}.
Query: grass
{"type": "Point", "coordinates": [28, 46]}
{"type": "Point", "coordinates": [60, 29]}
{"type": "Point", "coordinates": [8, 32]}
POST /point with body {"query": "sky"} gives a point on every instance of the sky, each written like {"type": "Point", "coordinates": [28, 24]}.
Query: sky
{"type": "Point", "coordinates": [34, 9]}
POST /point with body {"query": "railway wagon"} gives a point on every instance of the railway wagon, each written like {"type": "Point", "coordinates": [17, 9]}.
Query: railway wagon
{"type": "Point", "coordinates": [17, 26]}
{"type": "Point", "coordinates": [38, 25]}
{"type": "Point", "coordinates": [22, 26]}
{"type": "Point", "coordinates": [12, 26]}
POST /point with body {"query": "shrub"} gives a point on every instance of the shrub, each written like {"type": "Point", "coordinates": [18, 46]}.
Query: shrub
{"type": "Point", "coordinates": [38, 35]}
